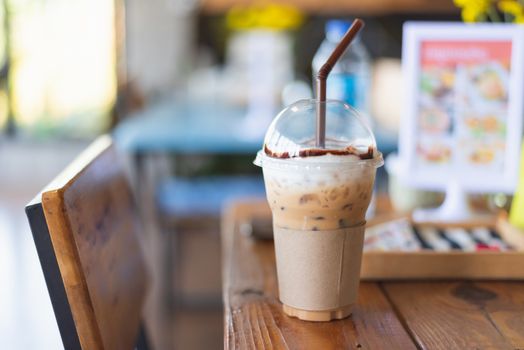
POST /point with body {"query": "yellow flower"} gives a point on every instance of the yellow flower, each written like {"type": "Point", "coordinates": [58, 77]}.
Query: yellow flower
{"type": "Point", "coordinates": [268, 16]}
{"type": "Point", "coordinates": [513, 8]}
{"type": "Point", "coordinates": [473, 10]}
{"type": "Point", "coordinates": [484, 4]}
{"type": "Point", "coordinates": [470, 14]}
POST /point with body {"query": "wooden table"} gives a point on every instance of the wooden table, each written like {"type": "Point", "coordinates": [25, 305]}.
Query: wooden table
{"type": "Point", "coordinates": [388, 315]}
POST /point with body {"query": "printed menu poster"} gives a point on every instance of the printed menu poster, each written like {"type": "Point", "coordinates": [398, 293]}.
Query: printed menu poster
{"type": "Point", "coordinates": [462, 107]}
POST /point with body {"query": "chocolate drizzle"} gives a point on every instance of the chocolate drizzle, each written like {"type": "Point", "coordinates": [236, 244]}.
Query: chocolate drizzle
{"type": "Point", "coordinates": [316, 152]}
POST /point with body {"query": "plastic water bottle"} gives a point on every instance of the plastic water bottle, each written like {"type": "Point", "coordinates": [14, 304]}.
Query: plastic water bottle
{"type": "Point", "coordinates": [349, 81]}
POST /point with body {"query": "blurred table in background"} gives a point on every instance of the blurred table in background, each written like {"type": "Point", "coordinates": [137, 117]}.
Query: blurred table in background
{"type": "Point", "coordinates": [175, 129]}
{"type": "Point", "coordinates": [388, 315]}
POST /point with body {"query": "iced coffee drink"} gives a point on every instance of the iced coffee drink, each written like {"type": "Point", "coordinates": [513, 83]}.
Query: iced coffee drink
{"type": "Point", "coordinates": [318, 198]}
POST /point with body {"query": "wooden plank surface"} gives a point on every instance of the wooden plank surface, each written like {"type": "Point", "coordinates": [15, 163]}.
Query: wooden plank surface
{"type": "Point", "coordinates": [390, 315]}
{"type": "Point", "coordinates": [253, 317]}
{"type": "Point", "coordinates": [93, 226]}
{"type": "Point", "coordinates": [461, 315]}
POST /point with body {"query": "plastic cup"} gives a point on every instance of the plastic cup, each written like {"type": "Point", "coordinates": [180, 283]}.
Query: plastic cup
{"type": "Point", "coordinates": [318, 199]}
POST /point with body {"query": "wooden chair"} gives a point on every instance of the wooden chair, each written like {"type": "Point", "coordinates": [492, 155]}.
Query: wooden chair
{"type": "Point", "coordinates": [85, 228]}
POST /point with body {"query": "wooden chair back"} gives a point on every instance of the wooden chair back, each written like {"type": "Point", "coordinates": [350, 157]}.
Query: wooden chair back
{"type": "Point", "coordinates": [85, 225]}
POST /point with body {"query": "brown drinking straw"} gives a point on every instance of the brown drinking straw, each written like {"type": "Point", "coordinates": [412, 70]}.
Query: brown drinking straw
{"type": "Point", "coordinates": [322, 75]}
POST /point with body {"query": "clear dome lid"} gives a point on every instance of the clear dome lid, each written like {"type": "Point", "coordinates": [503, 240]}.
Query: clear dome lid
{"type": "Point", "coordinates": [292, 134]}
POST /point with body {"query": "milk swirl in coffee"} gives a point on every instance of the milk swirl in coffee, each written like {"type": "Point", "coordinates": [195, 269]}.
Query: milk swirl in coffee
{"type": "Point", "coordinates": [320, 200]}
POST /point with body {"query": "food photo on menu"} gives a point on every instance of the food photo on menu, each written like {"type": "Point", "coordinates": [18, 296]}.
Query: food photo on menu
{"type": "Point", "coordinates": [463, 103]}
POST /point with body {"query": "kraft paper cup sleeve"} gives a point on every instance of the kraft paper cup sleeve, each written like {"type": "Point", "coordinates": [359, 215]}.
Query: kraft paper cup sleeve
{"type": "Point", "coordinates": [319, 270]}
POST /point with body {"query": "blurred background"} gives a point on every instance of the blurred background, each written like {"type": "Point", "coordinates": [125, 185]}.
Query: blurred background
{"type": "Point", "coordinates": [187, 88]}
